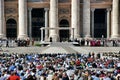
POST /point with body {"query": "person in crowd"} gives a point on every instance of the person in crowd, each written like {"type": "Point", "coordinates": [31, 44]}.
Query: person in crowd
{"type": "Point", "coordinates": [14, 76]}
{"type": "Point", "coordinates": [34, 66]}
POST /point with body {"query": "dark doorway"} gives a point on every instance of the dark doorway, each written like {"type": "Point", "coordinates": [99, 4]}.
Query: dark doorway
{"type": "Point", "coordinates": [64, 34]}
{"type": "Point", "coordinates": [38, 21]}
{"type": "Point", "coordinates": [100, 26]}
{"type": "Point", "coordinates": [11, 28]}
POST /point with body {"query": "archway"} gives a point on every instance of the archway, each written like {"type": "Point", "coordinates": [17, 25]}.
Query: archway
{"type": "Point", "coordinates": [100, 26]}
{"type": "Point", "coordinates": [64, 34]}
{"type": "Point", "coordinates": [11, 28]}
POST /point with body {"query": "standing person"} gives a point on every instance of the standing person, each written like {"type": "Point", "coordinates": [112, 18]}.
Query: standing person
{"type": "Point", "coordinates": [7, 43]}
{"type": "Point", "coordinates": [55, 76]}
{"type": "Point", "coordinates": [32, 42]}
{"type": "Point", "coordinates": [65, 76]}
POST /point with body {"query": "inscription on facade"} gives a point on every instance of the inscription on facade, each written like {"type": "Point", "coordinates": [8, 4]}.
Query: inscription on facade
{"type": "Point", "coordinates": [38, 0]}
{"type": "Point", "coordinates": [63, 11]}
{"type": "Point", "coordinates": [10, 10]}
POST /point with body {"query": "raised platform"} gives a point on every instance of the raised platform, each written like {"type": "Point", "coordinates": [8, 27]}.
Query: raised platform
{"type": "Point", "coordinates": [58, 47]}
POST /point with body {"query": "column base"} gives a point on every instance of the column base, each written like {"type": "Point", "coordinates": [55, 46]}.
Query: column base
{"type": "Point", "coordinates": [46, 39]}
{"type": "Point", "coordinates": [87, 37]}
{"type": "Point", "coordinates": [76, 37]}
{"type": "Point", "coordinates": [23, 37]}
{"type": "Point", "coordinates": [55, 38]}
{"type": "Point", "coordinates": [2, 36]}
{"type": "Point", "coordinates": [115, 37]}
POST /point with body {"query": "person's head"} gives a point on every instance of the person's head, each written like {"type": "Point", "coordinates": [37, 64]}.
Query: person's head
{"type": "Point", "coordinates": [64, 74]}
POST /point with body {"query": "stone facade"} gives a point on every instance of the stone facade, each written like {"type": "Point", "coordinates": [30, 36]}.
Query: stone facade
{"type": "Point", "coordinates": [77, 18]}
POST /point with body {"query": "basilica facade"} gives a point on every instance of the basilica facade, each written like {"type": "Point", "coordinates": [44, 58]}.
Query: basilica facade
{"type": "Point", "coordinates": [60, 20]}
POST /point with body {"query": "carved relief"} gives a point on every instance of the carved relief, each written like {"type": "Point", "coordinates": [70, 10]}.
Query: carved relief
{"type": "Point", "coordinates": [10, 10]}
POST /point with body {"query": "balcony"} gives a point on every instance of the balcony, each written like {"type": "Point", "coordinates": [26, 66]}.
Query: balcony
{"type": "Point", "coordinates": [38, 0]}
{"type": "Point", "coordinates": [100, 1]}
{"type": "Point", "coordinates": [63, 1]}
{"type": "Point", "coordinates": [9, 0]}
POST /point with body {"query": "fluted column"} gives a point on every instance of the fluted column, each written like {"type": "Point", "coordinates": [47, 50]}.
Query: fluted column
{"type": "Point", "coordinates": [22, 19]}
{"type": "Point", "coordinates": [92, 10]}
{"type": "Point", "coordinates": [108, 22]}
{"type": "Point", "coordinates": [54, 19]}
{"type": "Point", "coordinates": [86, 18]}
{"type": "Point", "coordinates": [75, 19]}
{"type": "Point", "coordinates": [46, 22]}
{"type": "Point", "coordinates": [2, 29]}
{"type": "Point", "coordinates": [115, 19]}
{"type": "Point", "coordinates": [30, 22]}
{"type": "Point", "coordinates": [41, 34]}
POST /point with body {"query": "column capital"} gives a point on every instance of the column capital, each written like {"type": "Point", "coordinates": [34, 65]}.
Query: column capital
{"type": "Point", "coordinates": [108, 9]}
{"type": "Point", "coordinates": [92, 9]}
{"type": "Point", "coordinates": [30, 8]}
{"type": "Point", "coordinates": [46, 9]}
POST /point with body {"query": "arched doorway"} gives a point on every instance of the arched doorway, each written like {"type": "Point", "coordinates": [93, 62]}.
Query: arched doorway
{"type": "Point", "coordinates": [64, 34]}
{"type": "Point", "coordinates": [11, 28]}
{"type": "Point", "coordinates": [100, 26]}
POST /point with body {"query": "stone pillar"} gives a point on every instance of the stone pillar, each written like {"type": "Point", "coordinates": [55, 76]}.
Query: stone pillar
{"type": "Point", "coordinates": [115, 19]}
{"type": "Point", "coordinates": [75, 19]}
{"type": "Point", "coordinates": [22, 19]}
{"type": "Point", "coordinates": [86, 18]}
{"type": "Point", "coordinates": [92, 22]}
{"type": "Point", "coordinates": [108, 22]}
{"type": "Point", "coordinates": [41, 34]}
{"type": "Point", "coordinates": [46, 23]}
{"type": "Point", "coordinates": [2, 35]}
{"type": "Point", "coordinates": [54, 19]}
{"type": "Point", "coordinates": [30, 22]}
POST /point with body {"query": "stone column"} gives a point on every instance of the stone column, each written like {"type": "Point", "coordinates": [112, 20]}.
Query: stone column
{"type": "Point", "coordinates": [86, 18]}
{"type": "Point", "coordinates": [30, 22]}
{"type": "Point", "coordinates": [75, 18]}
{"type": "Point", "coordinates": [115, 19]}
{"type": "Point", "coordinates": [92, 22]}
{"type": "Point", "coordinates": [41, 34]}
{"type": "Point", "coordinates": [54, 19]}
{"type": "Point", "coordinates": [22, 19]}
{"type": "Point", "coordinates": [46, 23]}
{"type": "Point", "coordinates": [108, 22]}
{"type": "Point", "coordinates": [2, 35]}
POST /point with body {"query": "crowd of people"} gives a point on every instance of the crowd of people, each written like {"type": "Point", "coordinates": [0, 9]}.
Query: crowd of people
{"type": "Point", "coordinates": [58, 67]}
{"type": "Point", "coordinates": [82, 42]}
{"type": "Point", "coordinates": [19, 43]}
{"type": "Point", "coordinates": [99, 42]}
